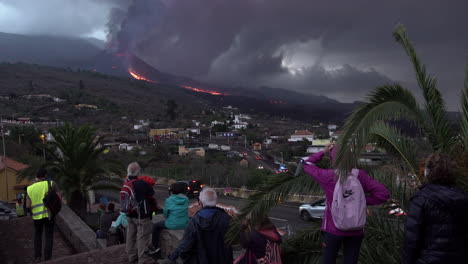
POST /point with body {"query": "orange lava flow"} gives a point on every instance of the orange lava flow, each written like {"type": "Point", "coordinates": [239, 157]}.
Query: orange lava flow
{"type": "Point", "coordinates": [137, 76]}
{"type": "Point", "coordinates": [203, 91]}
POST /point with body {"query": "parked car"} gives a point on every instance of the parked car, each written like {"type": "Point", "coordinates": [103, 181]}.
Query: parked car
{"type": "Point", "coordinates": [316, 209]}
{"type": "Point", "coordinates": [193, 188]}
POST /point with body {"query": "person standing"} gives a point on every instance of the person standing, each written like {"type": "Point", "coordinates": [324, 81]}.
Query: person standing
{"type": "Point", "coordinates": [175, 212]}
{"type": "Point", "coordinates": [203, 241]}
{"type": "Point", "coordinates": [333, 238]}
{"type": "Point", "coordinates": [436, 225]}
{"type": "Point", "coordinates": [42, 218]}
{"type": "Point", "coordinates": [136, 201]}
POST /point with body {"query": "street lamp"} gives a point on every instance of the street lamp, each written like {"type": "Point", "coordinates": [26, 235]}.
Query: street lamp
{"type": "Point", "coordinates": [43, 138]}
{"type": "Point", "coordinates": [5, 161]}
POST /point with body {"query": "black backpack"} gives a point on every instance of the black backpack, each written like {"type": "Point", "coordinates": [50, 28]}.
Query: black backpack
{"type": "Point", "coordinates": [52, 201]}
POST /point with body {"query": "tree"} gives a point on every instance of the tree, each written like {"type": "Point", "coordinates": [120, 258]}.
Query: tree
{"type": "Point", "coordinates": [374, 121]}
{"type": "Point", "coordinates": [78, 165]}
{"type": "Point", "coordinates": [171, 109]}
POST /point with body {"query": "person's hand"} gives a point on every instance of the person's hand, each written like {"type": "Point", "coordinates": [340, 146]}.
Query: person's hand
{"type": "Point", "coordinates": [328, 147]}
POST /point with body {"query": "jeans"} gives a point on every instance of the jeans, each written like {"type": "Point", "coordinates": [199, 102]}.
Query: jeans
{"type": "Point", "coordinates": [49, 237]}
{"type": "Point", "coordinates": [332, 244]}
{"type": "Point", "coordinates": [157, 228]}
{"type": "Point", "coordinates": [138, 239]}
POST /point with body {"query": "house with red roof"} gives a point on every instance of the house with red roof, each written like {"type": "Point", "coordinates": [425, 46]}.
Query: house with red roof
{"type": "Point", "coordinates": [299, 135]}
{"type": "Point", "coordinates": [9, 186]}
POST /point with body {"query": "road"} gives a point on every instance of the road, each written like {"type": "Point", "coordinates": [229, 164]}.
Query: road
{"type": "Point", "coordinates": [282, 215]}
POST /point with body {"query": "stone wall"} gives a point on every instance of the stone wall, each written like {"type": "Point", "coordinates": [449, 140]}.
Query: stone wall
{"type": "Point", "coordinates": [80, 236]}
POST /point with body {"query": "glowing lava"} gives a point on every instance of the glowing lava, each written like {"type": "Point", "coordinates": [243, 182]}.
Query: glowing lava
{"type": "Point", "coordinates": [137, 76]}
{"type": "Point", "coordinates": [202, 90]}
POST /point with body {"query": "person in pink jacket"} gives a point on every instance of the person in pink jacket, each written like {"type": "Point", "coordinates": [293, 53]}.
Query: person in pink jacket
{"type": "Point", "coordinates": [333, 238]}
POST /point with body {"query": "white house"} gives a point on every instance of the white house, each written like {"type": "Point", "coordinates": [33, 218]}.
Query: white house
{"type": "Point", "coordinates": [125, 146]}
{"type": "Point", "coordinates": [299, 135]}
{"type": "Point", "coordinates": [136, 127]}
{"type": "Point", "coordinates": [332, 127]}
{"type": "Point", "coordinates": [317, 145]}
{"type": "Point", "coordinates": [240, 125]}
{"type": "Point", "coordinates": [213, 123]}
{"type": "Point", "coordinates": [194, 130]}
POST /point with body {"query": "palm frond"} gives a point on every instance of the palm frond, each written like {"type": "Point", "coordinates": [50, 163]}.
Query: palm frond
{"type": "Point", "coordinates": [439, 128]}
{"type": "Point", "coordinates": [464, 112]}
{"type": "Point", "coordinates": [389, 102]}
{"type": "Point", "coordinates": [305, 247]}
{"type": "Point", "coordinates": [391, 139]}
{"type": "Point", "coordinates": [278, 188]}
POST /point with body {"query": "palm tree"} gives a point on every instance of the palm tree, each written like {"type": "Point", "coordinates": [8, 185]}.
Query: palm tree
{"type": "Point", "coordinates": [378, 121]}
{"type": "Point", "coordinates": [78, 165]}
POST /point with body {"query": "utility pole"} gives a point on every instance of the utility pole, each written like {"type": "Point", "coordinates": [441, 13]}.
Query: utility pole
{"type": "Point", "coordinates": [210, 132]}
{"type": "Point", "coordinates": [5, 162]}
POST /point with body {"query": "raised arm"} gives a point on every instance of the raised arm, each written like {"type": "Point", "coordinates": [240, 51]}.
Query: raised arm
{"type": "Point", "coordinates": [322, 176]}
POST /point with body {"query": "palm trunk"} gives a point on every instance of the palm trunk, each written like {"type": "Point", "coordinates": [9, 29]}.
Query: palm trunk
{"type": "Point", "coordinates": [78, 204]}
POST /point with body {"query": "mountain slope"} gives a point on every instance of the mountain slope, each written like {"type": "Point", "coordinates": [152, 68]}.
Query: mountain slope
{"type": "Point", "coordinates": [46, 50]}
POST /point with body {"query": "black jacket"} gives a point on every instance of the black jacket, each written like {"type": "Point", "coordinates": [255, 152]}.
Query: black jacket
{"type": "Point", "coordinates": [437, 226]}
{"type": "Point", "coordinates": [203, 241]}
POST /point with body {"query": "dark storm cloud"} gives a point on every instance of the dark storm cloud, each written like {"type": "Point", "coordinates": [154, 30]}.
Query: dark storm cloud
{"type": "Point", "coordinates": [57, 17]}
{"type": "Point", "coordinates": [335, 48]}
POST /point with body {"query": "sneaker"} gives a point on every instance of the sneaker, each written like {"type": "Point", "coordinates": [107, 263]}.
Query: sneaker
{"type": "Point", "coordinates": [153, 250]}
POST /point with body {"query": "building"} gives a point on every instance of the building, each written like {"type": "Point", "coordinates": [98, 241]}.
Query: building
{"type": "Point", "coordinates": [226, 135]}
{"type": "Point", "coordinates": [317, 145]}
{"type": "Point", "coordinates": [125, 147]}
{"type": "Point", "coordinates": [197, 151]}
{"type": "Point", "coordinates": [299, 135]}
{"type": "Point", "coordinates": [194, 130]}
{"type": "Point", "coordinates": [9, 187]}
{"type": "Point", "coordinates": [161, 134]}
{"type": "Point", "coordinates": [244, 163]}
{"type": "Point", "coordinates": [335, 135]}
{"type": "Point", "coordinates": [214, 123]}
{"type": "Point", "coordinates": [241, 125]}
{"type": "Point", "coordinates": [257, 146]}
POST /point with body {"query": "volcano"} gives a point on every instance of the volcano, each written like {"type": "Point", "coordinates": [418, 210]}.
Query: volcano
{"type": "Point", "coordinates": [130, 65]}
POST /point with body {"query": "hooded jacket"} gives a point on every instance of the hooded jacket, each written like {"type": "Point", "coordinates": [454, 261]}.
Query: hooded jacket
{"type": "Point", "coordinates": [376, 193]}
{"type": "Point", "coordinates": [255, 243]}
{"type": "Point", "coordinates": [176, 212]}
{"type": "Point", "coordinates": [436, 226]}
{"type": "Point", "coordinates": [203, 241]}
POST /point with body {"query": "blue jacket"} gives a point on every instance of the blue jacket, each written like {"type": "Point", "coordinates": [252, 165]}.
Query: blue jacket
{"type": "Point", "coordinates": [176, 211]}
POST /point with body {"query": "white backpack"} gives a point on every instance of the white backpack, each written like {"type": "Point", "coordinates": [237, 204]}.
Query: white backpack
{"type": "Point", "coordinates": [348, 208]}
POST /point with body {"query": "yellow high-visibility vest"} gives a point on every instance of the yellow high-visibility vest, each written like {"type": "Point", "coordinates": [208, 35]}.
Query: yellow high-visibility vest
{"type": "Point", "coordinates": [36, 193]}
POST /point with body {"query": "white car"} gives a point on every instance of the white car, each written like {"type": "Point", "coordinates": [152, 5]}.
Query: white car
{"type": "Point", "coordinates": [313, 210]}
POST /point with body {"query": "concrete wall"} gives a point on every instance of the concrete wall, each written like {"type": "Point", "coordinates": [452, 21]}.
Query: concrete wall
{"type": "Point", "coordinates": [80, 236]}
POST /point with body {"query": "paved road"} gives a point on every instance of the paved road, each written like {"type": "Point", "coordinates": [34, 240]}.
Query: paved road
{"type": "Point", "coordinates": [282, 215]}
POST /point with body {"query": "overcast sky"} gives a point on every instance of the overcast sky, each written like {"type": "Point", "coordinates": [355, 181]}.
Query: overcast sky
{"type": "Point", "coordinates": [340, 49]}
